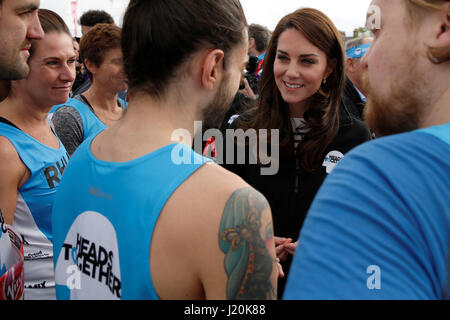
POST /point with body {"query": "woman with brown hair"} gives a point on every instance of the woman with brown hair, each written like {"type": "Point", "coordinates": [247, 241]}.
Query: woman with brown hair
{"type": "Point", "coordinates": [300, 95]}
{"type": "Point", "coordinates": [100, 106]}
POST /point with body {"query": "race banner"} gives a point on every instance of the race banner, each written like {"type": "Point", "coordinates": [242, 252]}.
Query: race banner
{"type": "Point", "coordinates": [74, 11]}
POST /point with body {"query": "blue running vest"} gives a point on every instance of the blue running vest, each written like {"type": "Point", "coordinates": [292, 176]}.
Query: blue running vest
{"type": "Point", "coordinates": [91, 123]}
{"type": "Point", "coordinates": [104, 216]}
{"type": "Point", "coordinates": [32, 218]}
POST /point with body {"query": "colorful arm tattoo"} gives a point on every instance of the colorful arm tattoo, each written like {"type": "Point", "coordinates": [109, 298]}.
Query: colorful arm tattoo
{"type": "Point", "coordinates": [248, 262]}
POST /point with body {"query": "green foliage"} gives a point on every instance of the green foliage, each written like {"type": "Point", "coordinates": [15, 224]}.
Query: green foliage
{"type": "Point", "coordinates": [358, 31]}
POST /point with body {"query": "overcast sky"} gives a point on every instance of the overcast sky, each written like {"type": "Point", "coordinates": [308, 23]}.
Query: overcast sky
{"type": "Point", "coordinates": [346, 14]}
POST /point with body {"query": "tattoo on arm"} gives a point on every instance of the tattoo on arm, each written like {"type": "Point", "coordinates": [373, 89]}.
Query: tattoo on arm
{"type": "Point", "coordinates": [248, 262]}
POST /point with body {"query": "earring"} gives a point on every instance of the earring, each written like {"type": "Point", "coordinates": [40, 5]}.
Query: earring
{"type": "Point", "coordinates": [324, 82]}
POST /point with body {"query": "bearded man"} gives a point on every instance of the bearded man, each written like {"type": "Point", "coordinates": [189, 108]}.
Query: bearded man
{"type": "Point", "coordinates": [380, 226]}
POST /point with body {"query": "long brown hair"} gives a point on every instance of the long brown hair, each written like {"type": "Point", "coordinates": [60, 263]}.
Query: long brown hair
{"type": "Point", "coordinates": [50, 22]}
{"type": "Point", "coordinates": [322, 117]}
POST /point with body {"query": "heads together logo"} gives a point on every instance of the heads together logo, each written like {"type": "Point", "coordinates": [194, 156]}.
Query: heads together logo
{"type": "Point", "coordinates": [89, 260]}
{"type": "Point", "coordinates": [331, 160]}
{"type": "Point", "coordinates": [258, 143]}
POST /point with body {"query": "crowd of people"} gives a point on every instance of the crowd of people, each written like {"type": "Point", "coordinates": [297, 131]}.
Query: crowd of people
{"type": "Point", "coordinates": [104, 195]}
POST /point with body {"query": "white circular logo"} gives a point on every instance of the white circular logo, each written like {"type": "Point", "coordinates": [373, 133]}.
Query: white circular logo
{"type": "Point", "coordinates": [88, 264]}
{"type": "Point", "coordinates": [331, 160]}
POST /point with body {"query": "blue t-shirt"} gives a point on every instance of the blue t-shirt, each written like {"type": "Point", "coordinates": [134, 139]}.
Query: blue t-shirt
{"type": "Point", "coordinates": [379, 227]}
{"type": "Point", "coordinates": [103, 221]}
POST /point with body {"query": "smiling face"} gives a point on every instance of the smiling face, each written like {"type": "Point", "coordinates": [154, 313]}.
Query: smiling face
{"type": "Point", "coordinates": [52, 70]}
{"type": "Point", "coordinates": [110, 74]}
{"type": "Point", "coordinates": [299, 70]}
{"type": "Point", "coordinates": [19, 24]}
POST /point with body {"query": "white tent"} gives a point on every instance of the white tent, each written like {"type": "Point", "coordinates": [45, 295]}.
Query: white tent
{"type": "Point", "coordinates": [71, 10]}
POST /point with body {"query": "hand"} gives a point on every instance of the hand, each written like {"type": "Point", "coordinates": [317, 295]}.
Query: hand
{"type": "Point", "coordinates": [291, 247]}
{"type": "Point", "coordinates": [247, 91]}
{"type": "Point", "coordinates": [280, 247]}
{"type": "Point", "coordinates": [280, 269]}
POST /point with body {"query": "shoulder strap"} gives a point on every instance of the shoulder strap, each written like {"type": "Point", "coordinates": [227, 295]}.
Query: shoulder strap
{"type": "Point", "coordinates": [6, 121]}
{"type": "Point", "coordinates": [86, 102]}
{"type": "Point", "coordinates": [72, 102]}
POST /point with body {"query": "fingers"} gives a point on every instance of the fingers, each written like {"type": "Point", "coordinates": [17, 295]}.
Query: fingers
{"type": "Point", "coordinates": [280, 240]}
{"type": "Point", "coordinates": [280, 247]}
{"type": "Point", "coordinates": [284, 247]}
{"type": "Point", "coordinates": [247, 91]}
{"type": "Point", "coordinates": [283, 256]}
{"type": "Point", "coordinates": [280, 252]}
{"type": "Point", "coordinates": [291, 247]}
{"type": "Point", "coordinates": [280, 269]}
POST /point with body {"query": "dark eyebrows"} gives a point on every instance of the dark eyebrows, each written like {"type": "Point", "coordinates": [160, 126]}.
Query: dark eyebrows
{"type": "Point", "coordinates": [28, 7]}
{"type": "Point", "coordinates": [59, 58]}
{"type": "Point", "coordinates": [300, 56]}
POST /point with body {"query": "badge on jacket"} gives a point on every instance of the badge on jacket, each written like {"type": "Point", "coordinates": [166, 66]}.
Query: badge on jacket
{"type": "Point", "coordinates": [331, 160]}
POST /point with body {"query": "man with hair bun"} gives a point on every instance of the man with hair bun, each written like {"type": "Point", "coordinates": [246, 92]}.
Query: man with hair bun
{"type": "Point", "coordinates": [379, 227]}
{"type": "Point", "coordinates": [139, 214]}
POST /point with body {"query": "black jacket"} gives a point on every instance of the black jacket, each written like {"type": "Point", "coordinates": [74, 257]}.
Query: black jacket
{"type": "Point", "coordinates": [290, 194]}
{"type": "Point", "coordinates": [352, 100]}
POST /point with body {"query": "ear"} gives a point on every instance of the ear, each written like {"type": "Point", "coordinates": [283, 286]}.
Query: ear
{"type": "Point", "coordinates": [212, 68]}
{"type": "Point", "coordinates": [92, 68]}
{"type": "Point", "coordinates": [350, 65]}
{"type": "Point", "coordinates": [442, 38]}
{"type": "Point", "coordinates": [330, 67]}
{"type": "Point", "coordinates": [251, 43]}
